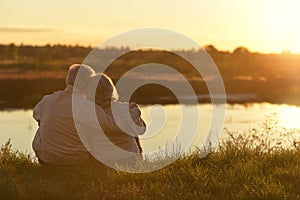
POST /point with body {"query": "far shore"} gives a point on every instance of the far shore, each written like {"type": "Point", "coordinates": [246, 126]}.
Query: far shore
{"type": "Point", "coordinates": [24, 90]}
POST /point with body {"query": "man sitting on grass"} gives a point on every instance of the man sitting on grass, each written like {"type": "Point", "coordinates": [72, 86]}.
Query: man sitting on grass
{"type": "Point", "coordinates": [56, 141]}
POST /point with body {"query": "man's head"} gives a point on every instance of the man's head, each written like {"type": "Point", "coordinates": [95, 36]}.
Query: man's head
{"type": "Point", "coordinates": [78, 76]}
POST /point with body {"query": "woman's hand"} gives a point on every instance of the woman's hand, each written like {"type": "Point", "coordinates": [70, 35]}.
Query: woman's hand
{"type": "Point", "coordinates": [135, 111]}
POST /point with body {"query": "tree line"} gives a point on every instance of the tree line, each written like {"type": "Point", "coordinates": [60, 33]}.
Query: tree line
{"type": "Point", "coordinates": [238, 64]}
{"type": "Point", "coordinates": [271, 77]}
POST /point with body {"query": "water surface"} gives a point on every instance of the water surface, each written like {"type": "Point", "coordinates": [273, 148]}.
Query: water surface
{"type": "Point", "coordinates": [163, 122]}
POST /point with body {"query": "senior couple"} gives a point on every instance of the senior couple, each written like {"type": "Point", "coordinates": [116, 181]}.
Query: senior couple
{"type": "Point", "coordinates": [86, 120]}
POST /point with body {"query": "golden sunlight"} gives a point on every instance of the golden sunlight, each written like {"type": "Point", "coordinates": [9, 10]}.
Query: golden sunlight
{"type": "Point", "coordinates": [289, 116]}
{"type": "Point", "coordinates": [279, 25]}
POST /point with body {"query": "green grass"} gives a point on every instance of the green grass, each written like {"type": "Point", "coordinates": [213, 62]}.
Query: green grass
{"type": "Point", "coordinates": [243, 167]}
{"type": "Point", "coordinates": [230, 173]}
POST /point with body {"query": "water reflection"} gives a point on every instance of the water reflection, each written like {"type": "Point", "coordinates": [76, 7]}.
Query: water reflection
{"type": "Point", "coordinates": [289, 116]}
{"type": "Point", "coordinates": [20, 126]}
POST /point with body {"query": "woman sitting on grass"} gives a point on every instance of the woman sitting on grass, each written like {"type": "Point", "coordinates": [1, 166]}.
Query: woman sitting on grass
{"type": "Point", "coordinates": [112, 145]}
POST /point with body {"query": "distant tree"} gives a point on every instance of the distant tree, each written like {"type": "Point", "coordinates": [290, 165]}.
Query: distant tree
{"type": "Point", "coordinates": [241, 50]}
{"type": "Point", "coordinates": [2, 51]}
{"type": "Point", "coordinates": [11, 52]}
{"type": "Point", "coordinates": [211, 49]}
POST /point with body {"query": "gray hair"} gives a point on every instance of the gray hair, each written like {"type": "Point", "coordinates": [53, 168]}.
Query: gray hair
{"type": "Point", "coordinates": [101, 90]}
{"type": "Point", "coordinates": [78, 75]}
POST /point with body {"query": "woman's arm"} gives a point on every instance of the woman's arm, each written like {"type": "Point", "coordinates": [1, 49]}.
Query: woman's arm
{"type": "Point", "coordinates": [125, 118]}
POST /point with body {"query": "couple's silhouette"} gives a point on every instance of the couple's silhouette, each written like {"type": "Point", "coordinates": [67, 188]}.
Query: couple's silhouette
{"type": "Point", "coordinates": [86, 119]}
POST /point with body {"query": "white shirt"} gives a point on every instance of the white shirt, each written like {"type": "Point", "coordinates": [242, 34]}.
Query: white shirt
{"type": "Point", "coordinates": [102, 137]}
{"type": "Point", "coordinates": [56, 140]}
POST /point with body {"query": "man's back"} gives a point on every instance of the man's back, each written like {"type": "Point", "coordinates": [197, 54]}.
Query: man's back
{"type": "Point", "coordinates": [57, 140]}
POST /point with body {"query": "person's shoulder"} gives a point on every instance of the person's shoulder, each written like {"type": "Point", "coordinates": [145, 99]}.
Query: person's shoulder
{"type": "Point", "coordinates": [49, 96]}
{"type": "Point", "coordinates": [53, 94]}
{"type": "Point", "coordinates": [89, 105]}
{"type": "Point", "coordinates": [119, 105]}
{"type": "Point", "coordinates": [117, 102]}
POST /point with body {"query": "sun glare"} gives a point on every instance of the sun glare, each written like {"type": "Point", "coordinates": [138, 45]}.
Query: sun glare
{"type": "Point", "coordinates": [279, 25]}
{"type": "Point", "coordinates": [289, 116]}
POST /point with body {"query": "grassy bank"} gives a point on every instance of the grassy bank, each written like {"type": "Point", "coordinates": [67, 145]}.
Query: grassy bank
{"type": "Point", "coordinates": [237, 170]}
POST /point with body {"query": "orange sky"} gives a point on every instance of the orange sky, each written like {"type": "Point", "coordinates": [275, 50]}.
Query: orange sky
{"type": "Point", "coordinates": [264, 26]}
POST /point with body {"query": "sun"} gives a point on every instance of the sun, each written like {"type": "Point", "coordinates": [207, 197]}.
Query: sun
{"type": "Point", "coordinates": [289, 116]}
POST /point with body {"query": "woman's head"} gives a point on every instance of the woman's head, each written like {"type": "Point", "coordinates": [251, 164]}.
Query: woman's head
{"type": "Point", "coordinates": [101, 90]}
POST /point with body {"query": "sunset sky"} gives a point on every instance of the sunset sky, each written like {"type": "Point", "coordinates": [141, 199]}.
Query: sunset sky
{"type": "Point", "coordinates": [260, 25]}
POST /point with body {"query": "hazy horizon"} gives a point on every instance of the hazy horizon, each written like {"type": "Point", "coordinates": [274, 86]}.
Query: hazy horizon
{"type": "Point", "coordinates": [284, 52]}
{"type": "Point", "coordinates": [266, 27]}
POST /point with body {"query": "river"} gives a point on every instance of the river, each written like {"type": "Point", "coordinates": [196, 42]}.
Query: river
{"type": "Point", "coordinates": [163, 122]}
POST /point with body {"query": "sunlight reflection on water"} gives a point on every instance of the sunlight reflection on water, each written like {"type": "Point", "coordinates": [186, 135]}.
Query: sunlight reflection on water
{"type": "Point", "coordinates": [20, 126]}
